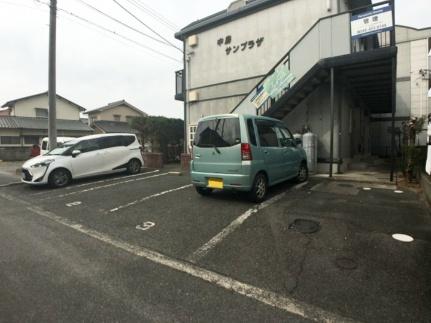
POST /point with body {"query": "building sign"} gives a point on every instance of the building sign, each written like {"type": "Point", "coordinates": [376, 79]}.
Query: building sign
{"type": "Point", "coordinates": [273, 85]}
{"type": "Point", "coordinates": [260, 97]}
{"type": "Point", "coordinates": [238, 47]}
{"type": "Point", "coordinates": [371, 22]}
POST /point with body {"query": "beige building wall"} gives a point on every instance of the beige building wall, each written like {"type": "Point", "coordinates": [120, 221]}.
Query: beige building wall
{"type": "Point", "coordinates": [123, 111]}
{"type": "Point", "coordinates": [221, 80]}
{"type": "Point", "coordinates": [26, 108]}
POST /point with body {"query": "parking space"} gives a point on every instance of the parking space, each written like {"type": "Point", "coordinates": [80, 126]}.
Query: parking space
{"type": "Point", "coordinates": [348, 265]}
{"type": "Point", "coordinates": [156, 209]}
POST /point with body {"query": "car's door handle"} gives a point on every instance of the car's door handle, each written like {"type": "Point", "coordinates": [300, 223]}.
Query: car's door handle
{"type": "Point", "coordinates": [265, 151]}
{"type": "Point", "coordinates": [197, 156]}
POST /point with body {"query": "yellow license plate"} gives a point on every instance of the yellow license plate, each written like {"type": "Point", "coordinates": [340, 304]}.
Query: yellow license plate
{"type": "Point", "coordinates": [215, 183]}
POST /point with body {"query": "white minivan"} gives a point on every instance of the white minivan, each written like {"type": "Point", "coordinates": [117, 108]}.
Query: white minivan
{"type": "Point", "coordinates": [83, 157]}
{"type": "Point", "coordinates": [44, 147]}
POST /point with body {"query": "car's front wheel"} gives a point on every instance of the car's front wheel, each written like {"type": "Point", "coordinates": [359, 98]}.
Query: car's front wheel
{"type": "Point", "coordinates": [259, 189]}
{"type": "Point", "coordinates": [59, 178]}
{"type": "Point", "coordinates": [134, 166]}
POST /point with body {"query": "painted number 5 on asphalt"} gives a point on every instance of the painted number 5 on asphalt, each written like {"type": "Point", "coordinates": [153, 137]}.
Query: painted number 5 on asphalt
{"type": "Point", "coordinates": [145, 226]}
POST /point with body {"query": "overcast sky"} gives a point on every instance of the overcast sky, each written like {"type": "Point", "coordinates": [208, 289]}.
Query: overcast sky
{"type": "Point", "coordinates": [95, 67]}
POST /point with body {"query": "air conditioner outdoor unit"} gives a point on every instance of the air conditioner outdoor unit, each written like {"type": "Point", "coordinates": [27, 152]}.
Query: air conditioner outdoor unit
{"type": "Point", "coordinates": [193, 41]}
{"type": "Point", "coordinates": [193, 96]}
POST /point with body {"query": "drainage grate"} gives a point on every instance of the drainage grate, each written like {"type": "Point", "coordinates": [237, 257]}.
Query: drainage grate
{"type": "Point", "coordinates": [346, 263]}
{"type": "Point", "coordinates": [305, 226]}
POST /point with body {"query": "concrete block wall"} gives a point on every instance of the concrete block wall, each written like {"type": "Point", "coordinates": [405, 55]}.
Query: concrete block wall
{"type": "Point", "coordinates": [14, 153]}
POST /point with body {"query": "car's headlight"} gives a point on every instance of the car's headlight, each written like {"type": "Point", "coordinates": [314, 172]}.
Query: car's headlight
{"type": "Point", "coordinates": [45, 163]}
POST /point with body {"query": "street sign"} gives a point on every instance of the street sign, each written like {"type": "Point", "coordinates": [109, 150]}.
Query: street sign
{"type": "Point", "coordinates": [371, 22]}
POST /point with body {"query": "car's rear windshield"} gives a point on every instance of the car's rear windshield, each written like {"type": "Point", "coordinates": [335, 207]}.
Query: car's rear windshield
{"type": "Point", "coordinates": [223, 132]}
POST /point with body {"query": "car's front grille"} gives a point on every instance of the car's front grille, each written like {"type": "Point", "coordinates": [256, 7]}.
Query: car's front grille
{"type": "Point", "coordinates": [26, 175]}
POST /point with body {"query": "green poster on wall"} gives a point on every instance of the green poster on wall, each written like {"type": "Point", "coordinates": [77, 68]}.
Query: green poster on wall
{"type": "Point", "coordinates": [278, 81]}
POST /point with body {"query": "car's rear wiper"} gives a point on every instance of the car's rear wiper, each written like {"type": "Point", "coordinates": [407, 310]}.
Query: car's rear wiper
{"type": "Point", "coordinates": [216, 149]}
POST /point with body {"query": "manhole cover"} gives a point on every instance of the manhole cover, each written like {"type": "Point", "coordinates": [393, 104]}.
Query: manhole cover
{"type": "Point", "coordinates": [305, 226]}
{"type": "Point", "coordinates": [346, 263]}
{"type": "Point", "coordinates": [345, 185]}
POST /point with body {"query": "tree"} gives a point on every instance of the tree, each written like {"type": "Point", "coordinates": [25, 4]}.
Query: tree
{"type": "Point", "coordinates": [161, 132]}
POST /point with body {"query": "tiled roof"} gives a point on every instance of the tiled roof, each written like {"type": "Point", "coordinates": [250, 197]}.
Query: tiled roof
{"type": "Point", "coordinates": [116, 104]}
{"type": "Point", "coordinates": [113, 126]}
{"type": "Point", "coordinates": [8, 122]}
{"type": "Point", "coordinates": [12, 102]}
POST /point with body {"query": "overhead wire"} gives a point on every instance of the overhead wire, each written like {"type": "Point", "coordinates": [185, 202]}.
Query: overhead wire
{"type": "Point", "coordinates": [122, 23]}
{"type": "Point", "coordinates": [112, 31]}
{"type": "Point", "coordinates": [146, 25]}
{"type": "Point", "coordinates": [153, 13]}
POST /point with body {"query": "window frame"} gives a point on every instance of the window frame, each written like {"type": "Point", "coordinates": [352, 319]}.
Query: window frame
{"type": "Point", "coordinates": [31, 144]}
{"type": "Point", "coordinates": [251, 135]}
{"type": "Point", "coordinates": [45, 110]}
{"type": "Point", "coordinates": [19, 143]}
{"type": "Point", "coordinates": [272, 125]}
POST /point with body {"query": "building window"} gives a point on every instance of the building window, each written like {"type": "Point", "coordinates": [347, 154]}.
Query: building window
{"type": "Point", "coordinates": [31, 140]}
{"type": "Point", "coordinates": [117, 117]}
{"type": "Point", "coordinates": [41, 113]}
{"type": "Point", "coordinates": [10, 140]}
{"type": "Point", "coordinates": [192, 131]}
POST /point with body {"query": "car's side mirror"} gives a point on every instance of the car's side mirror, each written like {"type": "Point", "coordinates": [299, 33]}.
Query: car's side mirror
{"type": "Point", "coordinates": [75, 153]}
{"type": "Point", "coordinates": [298, 141]}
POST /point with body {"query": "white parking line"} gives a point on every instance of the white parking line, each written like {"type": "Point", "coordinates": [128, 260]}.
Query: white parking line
{"type": "Point", "coordinates": [10, 184]}
{"type": "Point", "coordinates": [101, 181]}
{"type": "Point", "coordinates": [284, 303]}
{"type": "Point", "coordinates": [103, 186]}
{"type": "Point", "coordinates": [204, 249]}
{"type": "Point", "coordinates": [149, 197]}
{"type": "Point", "coordinates": [113, 179]}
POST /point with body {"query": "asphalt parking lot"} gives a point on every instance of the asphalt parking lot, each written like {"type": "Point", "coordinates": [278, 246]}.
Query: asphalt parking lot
{"type": "Point", "coordinates": [345, 267]}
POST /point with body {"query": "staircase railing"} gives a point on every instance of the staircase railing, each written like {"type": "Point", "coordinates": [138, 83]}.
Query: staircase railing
{"type": "Point", "coordinates": [329, 37]}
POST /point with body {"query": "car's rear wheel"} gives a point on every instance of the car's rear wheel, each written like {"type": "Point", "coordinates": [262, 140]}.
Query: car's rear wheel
{"type": "Point", "coordinates": [259, 189]}
{"type": "Point", "coordinates": [204, 191]}
{"type": "Point", "coordinates": [134, 166]}
{"type": "Point", "coordinates": [59, 178]}
{"type": "Point", "coordinates": [302, 173]}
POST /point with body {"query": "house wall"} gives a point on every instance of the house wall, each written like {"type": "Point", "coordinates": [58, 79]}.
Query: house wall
{"type": "Point", "coordinates": [4, 112]}
{"type": "Point", "coordinates": [314, 113]}
{"type": "Point", "coordinates": [26, 108]}
{"type": "Point", "coordinates": [209, 64]}
{"type": "Point", "coordinates": [412, 87]}
{"type": "Point", "coordinates": [108, 115]}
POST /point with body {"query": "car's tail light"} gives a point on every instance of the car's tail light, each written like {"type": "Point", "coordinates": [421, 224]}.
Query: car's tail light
{"type": "Point", "coordinates": [246, 152]}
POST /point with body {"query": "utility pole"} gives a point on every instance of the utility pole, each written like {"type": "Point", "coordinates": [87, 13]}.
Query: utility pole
{"type": "Point", "coordinates": [52, 113]}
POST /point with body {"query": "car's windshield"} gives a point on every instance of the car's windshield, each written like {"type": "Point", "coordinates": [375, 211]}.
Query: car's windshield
{"type": "Point", "coordinates": [62, 148]}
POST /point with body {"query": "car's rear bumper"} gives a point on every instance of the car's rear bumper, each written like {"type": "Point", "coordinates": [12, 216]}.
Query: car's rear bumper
{"type": "Point", "coordinates": [240, 182]}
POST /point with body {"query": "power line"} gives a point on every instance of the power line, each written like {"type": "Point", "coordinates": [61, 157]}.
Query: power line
{"type": "Point", "coordinates": [153, 13]}
{"type": "Point", "coordinates": [122, 23]}
{"type": "Point", "coordinates": [155, 32]}
{"type": "Point", "coordinates": [112, 31]}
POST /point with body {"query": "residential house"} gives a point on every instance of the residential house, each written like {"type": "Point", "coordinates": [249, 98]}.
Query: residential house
{"type": "Point", "coordinates": [24, 122]}
{"type": "Point", "coordinates": [114, 117]}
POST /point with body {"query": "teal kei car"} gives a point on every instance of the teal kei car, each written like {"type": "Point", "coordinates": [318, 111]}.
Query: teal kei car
{"type": "Point", "coordinates": [245, 153]}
